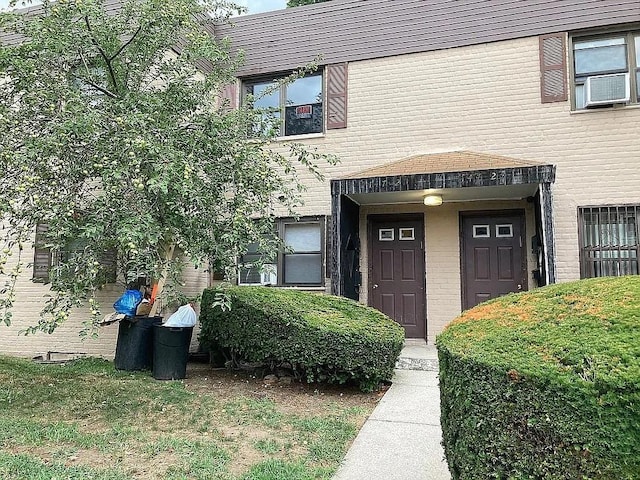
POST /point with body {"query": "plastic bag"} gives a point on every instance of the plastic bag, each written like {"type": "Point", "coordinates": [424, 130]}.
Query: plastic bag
{"type": "Point", "coordinates": [185, 316]}
{"type": "Point", "coordinates": [128, 302]}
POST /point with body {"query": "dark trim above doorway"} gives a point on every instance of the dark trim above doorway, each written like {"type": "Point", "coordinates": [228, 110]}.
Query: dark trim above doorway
{"type": "Point", "coordinates": [341, 190]}
{"type": "Point", "coordinates": [423, 181]}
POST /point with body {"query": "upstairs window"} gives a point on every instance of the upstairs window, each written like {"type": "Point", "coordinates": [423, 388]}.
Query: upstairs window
{"type": "Point", "coordinates": [608, 240]}
{"type": "Point", "coordinates": [299, 263]}
{"type": "Point", "coordinates": [606, 70]}
{"type": "Point", "coordinates": [293, 109]}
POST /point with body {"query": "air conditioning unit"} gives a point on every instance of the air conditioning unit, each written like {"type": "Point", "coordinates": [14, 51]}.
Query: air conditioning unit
{"type": "Point", "coordinates": [606, 89]}
{"type": "Point", "coordinates": [269, 275]}
{"type": "Point", "coordinates": [266, 275]}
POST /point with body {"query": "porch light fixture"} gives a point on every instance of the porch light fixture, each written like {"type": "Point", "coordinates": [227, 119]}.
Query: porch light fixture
{"type": "Point", "coordinates": [433, 200]}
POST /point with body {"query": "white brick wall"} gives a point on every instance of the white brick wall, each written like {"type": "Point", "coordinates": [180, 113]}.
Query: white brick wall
{"type": "Point", "coordinates": [482, 98]}
{"type": "Point", "coordinates": [31, 299]}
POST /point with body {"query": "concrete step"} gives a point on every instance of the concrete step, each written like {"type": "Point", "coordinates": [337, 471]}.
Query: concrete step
{"type": "Point", "coordinates": [417, 355]}
{"type": "Point", "coordinates": [424, 364]}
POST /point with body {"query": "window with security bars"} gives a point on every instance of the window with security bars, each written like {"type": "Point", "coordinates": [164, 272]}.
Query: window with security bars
{"type": "Point", "coordinates": [608, 240]}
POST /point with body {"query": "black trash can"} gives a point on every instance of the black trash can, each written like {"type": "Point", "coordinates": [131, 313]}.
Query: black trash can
{"type": "Point", "coordinates": [134, 348]}
{"type": "Point", "coordinates": [170, 352]}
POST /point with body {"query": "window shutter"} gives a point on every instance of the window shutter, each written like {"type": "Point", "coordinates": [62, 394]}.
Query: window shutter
{"type": "Point", "coordinates": [328, 229]}
{"type": "Point", "coordinates": [553, 68]}
{"type": "Point", "coordinates": [108, 262]}
{"type": "Point", "coordinates": [107, 259]}
{"type": "Point", "coordinates": [337, 76]}
{"type": "Point", "coordinates": [41, 256]}
{"type": "Point", "coordinates": [230, 95]}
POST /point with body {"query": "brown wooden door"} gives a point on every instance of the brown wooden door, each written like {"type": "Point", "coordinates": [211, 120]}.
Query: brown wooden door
{"type": "Point", "coordinates": [396, 272]}
{"type": "Point", "coordinates": [493, 260]}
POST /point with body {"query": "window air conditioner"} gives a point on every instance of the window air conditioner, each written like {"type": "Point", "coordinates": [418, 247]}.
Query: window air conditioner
{"type": "Point", "coordinates": [269, 275]}
{"type": "Point", "coordinates": [607, 89]}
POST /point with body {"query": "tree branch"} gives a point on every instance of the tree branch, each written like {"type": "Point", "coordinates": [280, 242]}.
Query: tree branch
{"type": "Point", "coordinates": [105, 57]}
{"type": "Point", "coordinates": [126, 44]}
{"type": "Point", "coordinates": [91, 83]}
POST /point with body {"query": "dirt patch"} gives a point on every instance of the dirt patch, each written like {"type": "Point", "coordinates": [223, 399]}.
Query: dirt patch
{"type": "Point", "coordinates": [140, 467]}
{"type": "Point", "coordinates": [227, 423]}
{"type": "Point", "coordinates": [296, 397]}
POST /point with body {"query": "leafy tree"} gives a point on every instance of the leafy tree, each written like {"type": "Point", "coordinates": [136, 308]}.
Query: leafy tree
{"type": "Point", "coordinates": [115, 135]}
{"type": "Point", "coordinates": [297, 3]}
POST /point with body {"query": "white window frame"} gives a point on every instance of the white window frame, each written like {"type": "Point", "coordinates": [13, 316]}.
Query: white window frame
{"type": "Point", "coordinates": [481, 225]}
{"type": "Point", "coordinates": [278, 267]}
{"type": "Point", "coordinates": [248, 84]}
{"type": "Point", "coordinates": [631, 41]}
{"type": "Point", "coordinates": [502, 225]}
{"type": "Point", "coordinates": [381, 233]}
{"type": "Point", "coordinates": [402, 233]}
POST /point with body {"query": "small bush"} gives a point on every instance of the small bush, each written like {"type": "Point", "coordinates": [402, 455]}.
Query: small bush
{"type": "Point", "coordinates": [324, 338]}
{"type": "Point", "coordinates": [545, 384]}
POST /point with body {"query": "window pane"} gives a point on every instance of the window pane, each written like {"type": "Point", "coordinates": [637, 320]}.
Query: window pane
{"type": "Point", "coordinates": [601, 59]}
{"type": "Point", "coordinates": [265, 273]}
{"type": "Point", "coordinates": [262, 100]}
{"type": "Point", "coordinates": [305, 90]}
{"type": "Point", "coordinates": [638, 84]}
{"type": "Point", "coordinates": [303, 119]}
{"type": "Point", "coordinates": [249, 276]}
{"type": "Point", "coordinates": [609, 228]}
{"type": "Point", "coordinates": [303, 112]}
{"type": "Point", "coordinates": [269, 123]}
{"type": "Point", "coordinates": [302, 237]}
{"type": "Point", "coordinates": [580, 102]}
{"type": "Point", "coordinates": [637, 52]}
{"type": "Point", "coordinates": [602, 42]}
{"type": "Point", "coordinates": [303, 269]}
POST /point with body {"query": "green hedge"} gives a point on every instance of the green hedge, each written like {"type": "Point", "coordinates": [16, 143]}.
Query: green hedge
{"type": "Point", "coordinates": [545, 384]}
{"type": "Point", "coordinates": [324, 338]}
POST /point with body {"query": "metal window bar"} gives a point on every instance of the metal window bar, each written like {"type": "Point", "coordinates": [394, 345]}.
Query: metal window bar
{"type": "Point", "coordinates": [609, 241]}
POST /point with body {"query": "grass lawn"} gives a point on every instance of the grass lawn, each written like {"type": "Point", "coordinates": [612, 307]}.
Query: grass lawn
{"type": "Point", "coordinates": [86, 420]}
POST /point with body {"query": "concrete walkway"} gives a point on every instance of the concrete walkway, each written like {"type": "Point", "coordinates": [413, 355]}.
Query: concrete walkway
{"type": "Point", "coordinates": [401, 438]}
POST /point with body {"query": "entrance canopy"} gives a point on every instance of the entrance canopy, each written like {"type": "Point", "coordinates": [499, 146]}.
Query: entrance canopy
{"type": "Point", "coordinates": [456, 176]}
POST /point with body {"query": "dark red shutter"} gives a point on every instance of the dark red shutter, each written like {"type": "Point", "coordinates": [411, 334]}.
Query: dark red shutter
{"type": "Point", "coordinates": [337, 76]}
{"type": "Point", "coordinates": [42, 255]}
{"type": "Point", "coordinates": [108, 262]}
{"type": "Point", "coordinates": [553, 68]}
{"type": "Point", "coordinates": [230, 95]}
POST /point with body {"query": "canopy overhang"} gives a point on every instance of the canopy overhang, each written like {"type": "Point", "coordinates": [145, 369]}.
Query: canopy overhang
{"type": "Point", "coordinates": [456, 176]}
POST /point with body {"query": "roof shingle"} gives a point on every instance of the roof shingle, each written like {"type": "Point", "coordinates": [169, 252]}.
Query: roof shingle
{"type": "Point", "coordinates": [459, 161]}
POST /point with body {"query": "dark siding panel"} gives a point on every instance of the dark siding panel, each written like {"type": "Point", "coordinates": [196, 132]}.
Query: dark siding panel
{"type": "Point", "coordinates": [350, 30]}
{"type": "Point", "coordinates": [337, 78]}
{"type": "Point", "coordinates": [109, 264]}
{"type": "Point", "coordinates": [230, 95]}
{"type": "Point", "coordinates": [553, 68]}
{"type": "Point", "coordinates": [111, 7]}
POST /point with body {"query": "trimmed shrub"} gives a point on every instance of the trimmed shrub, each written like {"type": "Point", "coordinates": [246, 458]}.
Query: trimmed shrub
{"type": "Point", "coordinates": [545, 384]}
{"type": "Point", "coordinates": [324, 338]}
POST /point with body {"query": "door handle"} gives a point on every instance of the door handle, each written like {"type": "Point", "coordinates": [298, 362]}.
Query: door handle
{"type": "Point", "coordinates": [375, 285]}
